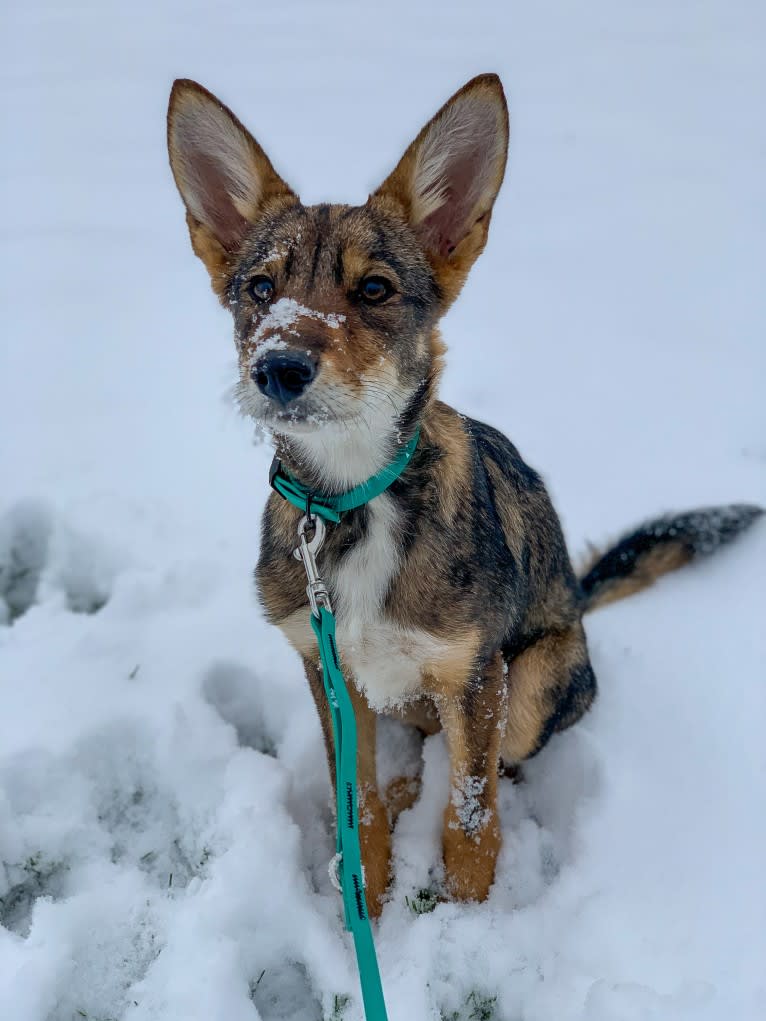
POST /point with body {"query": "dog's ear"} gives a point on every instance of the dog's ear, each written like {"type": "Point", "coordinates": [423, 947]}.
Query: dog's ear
{"type": "Point", "coordinates": [447, 181]}
{"type": "Point", "coordinates": [225, 179]}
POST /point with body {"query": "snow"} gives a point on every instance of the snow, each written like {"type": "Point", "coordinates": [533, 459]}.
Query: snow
{"type": "Point", "coordinates": [285, 313]}
{"type": "Point", "coordinates": [164, 805]}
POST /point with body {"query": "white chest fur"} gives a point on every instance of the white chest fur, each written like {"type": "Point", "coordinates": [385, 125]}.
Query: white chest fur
{"type": "Point", "coordinates": [387, 661]}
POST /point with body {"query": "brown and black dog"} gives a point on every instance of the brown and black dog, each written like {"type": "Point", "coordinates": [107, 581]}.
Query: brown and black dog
{"type": "Point", "coordinates": [457, 605]}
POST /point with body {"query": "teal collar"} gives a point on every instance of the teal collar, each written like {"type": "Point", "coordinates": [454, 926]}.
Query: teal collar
{"type": "Point", "coordinates": [331, 507]}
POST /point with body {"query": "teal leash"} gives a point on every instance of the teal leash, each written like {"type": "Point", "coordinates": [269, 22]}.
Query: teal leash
{"type": "Point", "coordinates": [349, 856]}
{"type": "Point", "coordinates": [317, 509]}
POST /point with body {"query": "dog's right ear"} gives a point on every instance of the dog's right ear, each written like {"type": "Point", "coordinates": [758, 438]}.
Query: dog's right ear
{"type": "Point", "coordinates": [225, 179]}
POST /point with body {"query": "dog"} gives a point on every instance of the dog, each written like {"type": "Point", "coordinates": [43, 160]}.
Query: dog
{"type": "Point", "coordinates": [457, 605]}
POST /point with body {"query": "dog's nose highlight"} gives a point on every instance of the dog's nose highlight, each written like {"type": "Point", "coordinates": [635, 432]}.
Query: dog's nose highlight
{"type": "Point", "coordinates": [283, 377]}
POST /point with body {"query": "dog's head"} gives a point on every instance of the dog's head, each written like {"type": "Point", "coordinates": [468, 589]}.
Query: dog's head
{"type": "Point", "coordinates": [335, 307]}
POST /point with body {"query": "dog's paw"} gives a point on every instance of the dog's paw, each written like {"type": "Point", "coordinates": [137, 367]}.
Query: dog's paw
{"type": "Point", "coordinates": [470, 857]}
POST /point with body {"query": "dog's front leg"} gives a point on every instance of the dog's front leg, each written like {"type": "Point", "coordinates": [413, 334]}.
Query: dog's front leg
{"type": "Point", "coordinates": [474, 721]}
{"type": "Point", "coordinates": [374, 829]}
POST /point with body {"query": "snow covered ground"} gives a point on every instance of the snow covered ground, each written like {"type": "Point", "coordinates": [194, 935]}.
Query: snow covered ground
{"type": "Point", "coordinates": [164, 819]}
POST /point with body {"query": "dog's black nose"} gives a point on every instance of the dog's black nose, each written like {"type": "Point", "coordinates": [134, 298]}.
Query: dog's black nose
{"type": "Point", "coordinates": [283, 377]}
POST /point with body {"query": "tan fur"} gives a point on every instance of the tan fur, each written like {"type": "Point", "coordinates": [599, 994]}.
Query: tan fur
{"type": "Point", "coordinates": [509, 512]}
{"type": "Point", "coordinates": [375, 844]}
{"type": "Point", "coordinates": [535, 680]}
{"type": "Point", "coordinates": [401, 793]}
{"type": "Point", "coordinates": [297, 630]}
{"type": "Point", "coordinates": [471, 835]}
{"type": "Point", "coordinates": [648, 569]}
{"type": "Point", "coordinates": [469, 860]}
{"type": "Point", "coordinates": [421, 713]}
{"type": "Point", "coordinates": [284, 594]}
{"type": "Point", "coordinates": [440, 426]}
{"type": "Point", "coordinates": [374, 824]}
{"type": "Point", "coordinates": [445, 677]}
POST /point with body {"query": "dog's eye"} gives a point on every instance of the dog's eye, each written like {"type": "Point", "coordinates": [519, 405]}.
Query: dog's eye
{"type": "Point", "coordinates": [375, 289]}
{"type": "Point", "coordinates": [262, 288]}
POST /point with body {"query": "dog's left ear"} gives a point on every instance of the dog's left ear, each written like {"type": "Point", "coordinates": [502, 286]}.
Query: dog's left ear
{"type": "Point", "coordinates": [448, 179]}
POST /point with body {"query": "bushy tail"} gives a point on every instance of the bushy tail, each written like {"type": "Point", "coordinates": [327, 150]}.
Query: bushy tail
{"type": "Point", "coordinates": [657, 547]}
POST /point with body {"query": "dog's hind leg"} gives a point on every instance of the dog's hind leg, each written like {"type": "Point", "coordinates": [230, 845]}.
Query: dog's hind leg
{"type": "Point", "coordinates": [402, 792]}
{"type": "Point", "coordinates": [550, 686]}
{"type": "Point", "coordinates": [421, 714]}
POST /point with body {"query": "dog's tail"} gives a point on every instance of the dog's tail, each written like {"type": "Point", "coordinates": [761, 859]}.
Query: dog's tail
{"type": "Point", "coordinates": [657, 547]}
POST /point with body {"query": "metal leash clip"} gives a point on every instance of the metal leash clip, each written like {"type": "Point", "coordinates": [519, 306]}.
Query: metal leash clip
{"type": "Point", "coordinates": [307, 552]}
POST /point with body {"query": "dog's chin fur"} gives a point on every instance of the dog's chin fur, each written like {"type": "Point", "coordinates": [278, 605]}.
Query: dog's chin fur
{"type": "Point", "coordinates": [342, 455]}
{"type": "Point", "coordinates": [335, 451]}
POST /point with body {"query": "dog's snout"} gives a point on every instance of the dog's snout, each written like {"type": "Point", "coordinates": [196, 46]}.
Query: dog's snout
{"type": "Point", "coordinates": [282, 376]}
